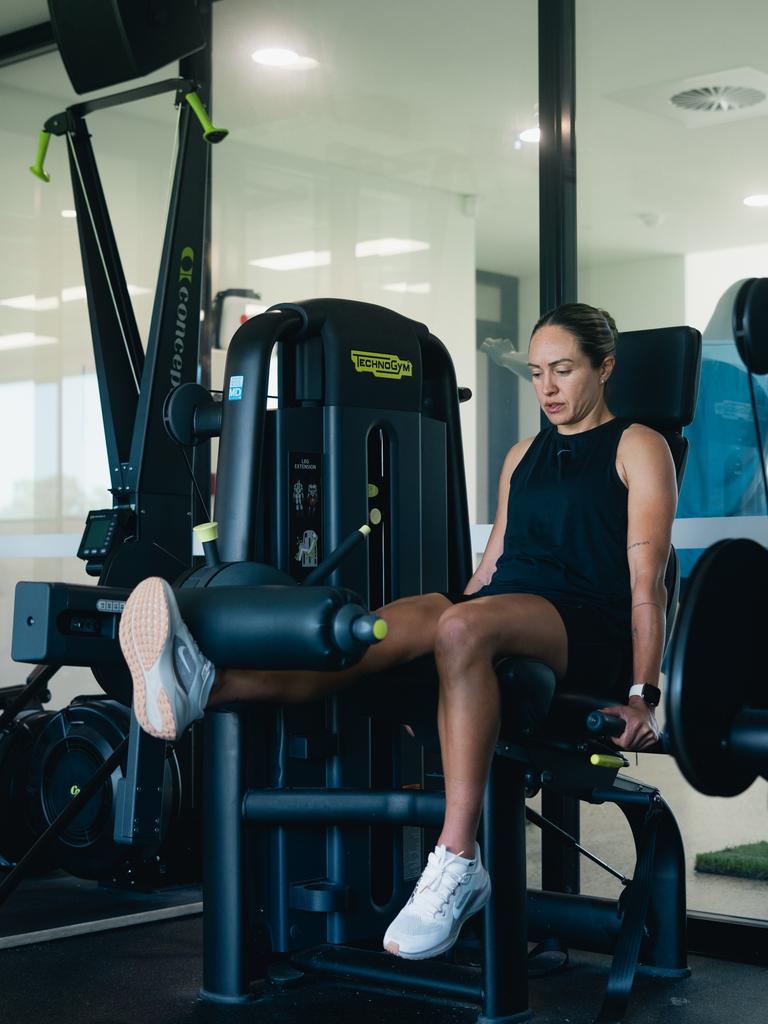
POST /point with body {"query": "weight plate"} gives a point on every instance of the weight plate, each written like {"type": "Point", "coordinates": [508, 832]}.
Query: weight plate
{"type": "Point", "coordinates": [716, 663]}
{"type": "Point", "coordinates": [750, 324]}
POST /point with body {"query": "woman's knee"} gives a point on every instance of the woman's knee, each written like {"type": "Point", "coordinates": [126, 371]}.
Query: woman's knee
{"type": "Point", "coordinates": [462, 634]}
{"type": "Point", "coordinates": [412, 622]}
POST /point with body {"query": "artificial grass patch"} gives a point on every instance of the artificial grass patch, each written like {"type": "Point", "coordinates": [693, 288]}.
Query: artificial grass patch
{"type": "Point", "coordinates": [747, 861]}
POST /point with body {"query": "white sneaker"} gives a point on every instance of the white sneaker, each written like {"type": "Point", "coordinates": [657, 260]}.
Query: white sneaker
{"type": "Point", "coordinates": [171, 678]}
{"type": "Point", "coordinates": [450, 890]}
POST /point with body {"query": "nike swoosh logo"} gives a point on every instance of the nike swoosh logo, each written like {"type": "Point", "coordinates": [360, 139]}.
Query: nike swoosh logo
{"type": "Point", "coordinates": [183, 658]}
{"type": "Point", "coordinates": [461, 902]}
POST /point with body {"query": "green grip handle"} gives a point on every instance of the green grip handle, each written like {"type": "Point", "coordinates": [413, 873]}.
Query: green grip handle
{"type": "Point", "coordinates": [42, 148]}
{"type": "Point", "coordinates": [210, 133]}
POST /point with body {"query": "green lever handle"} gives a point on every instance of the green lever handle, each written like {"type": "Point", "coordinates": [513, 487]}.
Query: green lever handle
{"type": "Point", "coordinates": [42, 148]}
{"type": "Point", "coordinates": [210, 133]}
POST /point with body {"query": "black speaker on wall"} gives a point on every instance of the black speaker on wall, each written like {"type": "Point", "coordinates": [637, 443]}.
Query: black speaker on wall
{"type": "Point", "coordinates": [104, 42]}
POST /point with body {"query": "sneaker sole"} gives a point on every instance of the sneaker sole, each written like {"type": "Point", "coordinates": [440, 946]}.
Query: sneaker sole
{"type": "Point", "coordinates": [144, 633]}
{"type": "Point", "coordinates": [474, 908]}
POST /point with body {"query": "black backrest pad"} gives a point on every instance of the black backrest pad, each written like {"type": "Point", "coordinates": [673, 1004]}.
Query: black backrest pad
{"type": "Point", "coordinates": [656, 380]}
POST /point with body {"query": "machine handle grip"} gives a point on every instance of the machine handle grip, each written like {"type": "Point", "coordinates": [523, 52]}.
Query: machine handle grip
{"type": "Point", "coordinates": [210, 133]}
{"type": "Point", "coordinates": [327, 566]}
{"type": "Point", "coordinates": [600, 724]}
{"type": "Point", "coordinates": [42, 148]}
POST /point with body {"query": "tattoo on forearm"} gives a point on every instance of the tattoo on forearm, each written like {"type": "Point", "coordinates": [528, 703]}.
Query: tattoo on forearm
{"type": "Point", "coordinates": [638, 544]}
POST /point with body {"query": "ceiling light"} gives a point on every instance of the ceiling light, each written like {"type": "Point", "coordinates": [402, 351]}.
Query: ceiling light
{"type": "Point", "coordinates": [419, 288]}
{"type": "Point", "coordinates": [757, 200]}
{"type": "Point", "coordinates": [530, 135]}
{"type": "Point", "coordinates": [68, 214]}
{"type": "Point", "coordinates": [294, 260]}
{"type": "Point", "coordinates": [24, 340]}
{"type": "Point", "coordinates": [275, 57]}
{"type": "Point", "coordinates": [388, 247]}
{"type": "Point", "coordinates": [31, 302]}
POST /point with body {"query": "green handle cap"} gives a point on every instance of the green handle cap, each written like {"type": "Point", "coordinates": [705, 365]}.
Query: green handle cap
{"type": "Point", "coordinates": [206, 532]}
{"type": "Point", "coordinates": [42, 148]}
{"type": "Point", "coordinates": [210, 133]}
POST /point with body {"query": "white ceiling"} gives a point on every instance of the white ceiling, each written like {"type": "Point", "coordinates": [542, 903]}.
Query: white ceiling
{"type": "Point", "coordinates": [435, 92]}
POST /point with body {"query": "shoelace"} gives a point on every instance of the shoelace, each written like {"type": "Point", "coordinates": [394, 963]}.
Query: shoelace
{"type": "Point", "coordinates": [431, 893]}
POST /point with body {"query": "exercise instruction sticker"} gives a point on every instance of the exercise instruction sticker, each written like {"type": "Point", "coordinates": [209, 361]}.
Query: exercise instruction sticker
{"type": "Point", "coordinates": [381, 364]}
{"type": "Point", "coordinates": [305, 512]}
{"type": "Point", "coordinates": [235, 392]}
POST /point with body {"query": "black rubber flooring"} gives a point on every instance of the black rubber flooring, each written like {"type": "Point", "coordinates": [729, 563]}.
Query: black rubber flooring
{"type": "Point", "coordinates": [152, 973]}
{"type": "Point", "coordinates": [59, 900]}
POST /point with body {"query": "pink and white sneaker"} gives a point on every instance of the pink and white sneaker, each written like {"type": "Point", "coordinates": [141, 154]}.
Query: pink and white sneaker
{"type": "Point", "coordinates": [171, 677]}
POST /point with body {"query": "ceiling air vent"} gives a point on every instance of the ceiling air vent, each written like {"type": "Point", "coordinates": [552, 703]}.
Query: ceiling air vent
{"type": "Point", "coordinates": [717, 98]}
{"type": "Point", "coordinates": [703, 101]}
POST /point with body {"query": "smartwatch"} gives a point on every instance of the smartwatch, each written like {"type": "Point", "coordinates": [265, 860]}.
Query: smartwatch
{"type": "Point", "coordinates": [650, 694]}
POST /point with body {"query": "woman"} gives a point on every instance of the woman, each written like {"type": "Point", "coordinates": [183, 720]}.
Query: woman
{"type": "Point", "coordinates": [573, 575]}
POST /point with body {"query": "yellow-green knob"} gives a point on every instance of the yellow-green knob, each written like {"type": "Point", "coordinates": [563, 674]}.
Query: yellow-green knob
{"type": "Point", "coordinates": [380, 629]}
{"type": "Point", "coordinates": [606, 761]}
{"type": "Point", "coordinates": [206, 532]}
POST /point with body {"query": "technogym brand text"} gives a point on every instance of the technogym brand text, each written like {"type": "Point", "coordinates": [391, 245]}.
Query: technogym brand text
{"type": "Point", "coordinates": [381, 364]}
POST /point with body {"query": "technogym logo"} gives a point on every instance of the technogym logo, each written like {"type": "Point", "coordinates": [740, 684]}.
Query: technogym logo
{"type": "Point", "coordinates": [381, 364]}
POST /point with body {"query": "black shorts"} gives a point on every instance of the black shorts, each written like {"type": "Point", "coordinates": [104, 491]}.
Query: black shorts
{"type": "Point", "coordinates": [599, 644]}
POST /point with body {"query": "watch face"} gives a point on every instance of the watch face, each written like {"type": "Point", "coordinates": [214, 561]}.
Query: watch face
{"type": "Point", "coordinates": [651, 695]}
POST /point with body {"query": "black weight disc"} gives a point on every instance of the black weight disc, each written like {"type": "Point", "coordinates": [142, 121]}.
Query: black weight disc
{"type": "Point", "coordinates": [16, 745]}
{"type": "Point", "coordinates": [74, 744]}
{"type": "Point", "coordinates": [716, 663]}
{"type": "Point", "coordinates": [750, 324]}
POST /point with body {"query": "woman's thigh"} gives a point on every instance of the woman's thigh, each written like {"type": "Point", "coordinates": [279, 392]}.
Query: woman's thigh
{"type": "Point", "coordinates": [411, 625]}
{"type": "Point", "coordinates": [503, 625]}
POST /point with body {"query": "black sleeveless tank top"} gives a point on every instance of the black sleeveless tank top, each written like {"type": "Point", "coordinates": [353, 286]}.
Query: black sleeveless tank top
{"type": "Point", "coordinates": [566, 534]}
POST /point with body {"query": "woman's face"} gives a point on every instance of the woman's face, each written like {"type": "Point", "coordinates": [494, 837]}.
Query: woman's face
{"type": "Point", "coordinates": [567, 385]}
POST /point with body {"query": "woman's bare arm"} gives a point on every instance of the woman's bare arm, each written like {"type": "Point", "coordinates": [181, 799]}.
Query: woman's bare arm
{"type": "Point", "coordinates": [485, 570]}
{"type": "Point", "coordinates": [650, 477]}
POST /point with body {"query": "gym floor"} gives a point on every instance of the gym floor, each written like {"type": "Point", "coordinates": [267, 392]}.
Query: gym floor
{"type": "Point", "coordinates": [152, 974]}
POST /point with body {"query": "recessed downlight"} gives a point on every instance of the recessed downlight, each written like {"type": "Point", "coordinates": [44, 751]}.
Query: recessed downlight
{"type": "Point", "coordinates": [276, 57]}
{"type": "Point", "coordinates": [756, 200]}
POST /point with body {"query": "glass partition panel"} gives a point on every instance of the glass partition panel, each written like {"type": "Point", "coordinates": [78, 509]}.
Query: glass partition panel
{"type": "Point", "coordinates": [388, 166]}
{"type": "Point", "coordinates": [672, 101]}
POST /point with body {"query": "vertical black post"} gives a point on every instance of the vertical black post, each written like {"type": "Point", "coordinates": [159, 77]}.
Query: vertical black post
{"type": "Point", "coordinates": [505, 940]}
{"type": "Point", "coordinates": [199, 68]}
{"type": "Point", "coordinates": [558, 284]}
{"type": "Point", "coordinates": [557, 152]}
{"type": "Point", "coordinates": [225, 977]}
